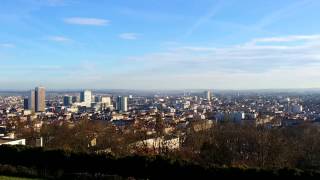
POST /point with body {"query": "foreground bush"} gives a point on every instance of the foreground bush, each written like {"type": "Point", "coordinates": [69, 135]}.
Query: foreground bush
{"type": "Point", "coordinates": [66, 164]}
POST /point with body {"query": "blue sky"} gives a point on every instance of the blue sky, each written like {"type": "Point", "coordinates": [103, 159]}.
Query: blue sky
{"type": "Point", "coordinates": [167, 44]}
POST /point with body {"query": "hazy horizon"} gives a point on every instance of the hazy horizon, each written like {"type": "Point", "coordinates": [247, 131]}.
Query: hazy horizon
{"type": "Point", "coordinates": [169, 45]}
{"type": "Point", "coordinates": [164, 90]}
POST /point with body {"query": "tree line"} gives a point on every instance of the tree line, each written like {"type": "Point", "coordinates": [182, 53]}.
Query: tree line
{"type": "Point", "coordinates": [223, 145]}
{"type": "Point", "coordinates": [229, 144]}
{"type": "Point", "coordinates": [63, 164]}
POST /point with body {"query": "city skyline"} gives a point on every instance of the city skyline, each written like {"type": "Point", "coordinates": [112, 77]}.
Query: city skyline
{"type": "Point", "coordinates": [159, 89]}
{"type": "Point", "coordinates": [212, 44]}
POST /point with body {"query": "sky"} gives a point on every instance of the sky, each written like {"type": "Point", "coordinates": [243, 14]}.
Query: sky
{"type": "Point", "coordinates": [159, 44]}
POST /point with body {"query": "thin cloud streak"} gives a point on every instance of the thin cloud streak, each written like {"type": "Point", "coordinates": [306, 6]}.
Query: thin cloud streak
{"type": "Point", "coordinates": [59, 39]}
{"type": "Point", "coordinates": [282, 13]}
{"type": "Point", "coordinates": [212, 12]}
{"type": "Point", "coordinates": [287, 39]}
{"type": "Point", "coordinates": [129, 36]}
{"type": "Point", "coordinates": [87, 21]}
{"type": "Point", "coordinates": [7, 45]}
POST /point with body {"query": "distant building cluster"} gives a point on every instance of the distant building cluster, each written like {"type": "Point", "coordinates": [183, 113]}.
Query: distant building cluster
{"type": "Point", "coordinates": [178, 112]}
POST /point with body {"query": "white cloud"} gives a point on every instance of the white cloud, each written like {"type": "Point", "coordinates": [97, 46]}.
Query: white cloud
{"type": "Point", "coordinates": [242, 66]}
{"type": "Point", "coordinates": [129, 36]}
{"type": "Point", "coordinates": [59, 39]}
{"type": "Point", "coordinates": [238, 66]}
{"type": "Point", "coordinates": [27, 68]}
{"type": "Point", "coordinates": [266, 56]}
{"type": "Point", "coordinates": [87, 21]}
{"type": "Point", "coordinates": [7, 45]}
{"type": "Point", "coordinates": [287, 39]}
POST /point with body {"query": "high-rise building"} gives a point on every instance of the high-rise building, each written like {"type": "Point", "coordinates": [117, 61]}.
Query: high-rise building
{"type": "Point", "coordinates": [67, 100]}
{"type": "Point", "coordinates": [75, 99]}
{"type": "Point", "coordinates": [207, 95]}
{"type": "Point", "coordinates": [40, 99]}
{"type": "Point", "coordinates": [106, 100]}
{"type": "Point", "coordinates": [25, 103]}
{"type": "Point", "coordinates": [36, 100]}
{"type": "Point", "coordinates": [122, 103]}
{"type": "Point", "coordinates": [32, 101]}
{"type": "Point", "coordinates": [97, 98]}
{"type": "Point", "coordinates": [85, 97]}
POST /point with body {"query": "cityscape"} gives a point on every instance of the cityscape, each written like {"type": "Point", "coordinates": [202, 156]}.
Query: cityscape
{"type": "Point", "coordinates": [179, 112]}
{"type": "Point", "coordinates": [170, 89]}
